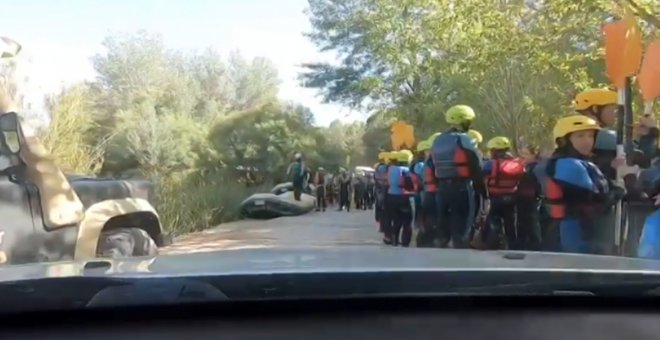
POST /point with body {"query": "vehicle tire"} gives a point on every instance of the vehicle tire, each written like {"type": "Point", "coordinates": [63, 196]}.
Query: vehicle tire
{"type": "Point", "coordinates": [125, 242]}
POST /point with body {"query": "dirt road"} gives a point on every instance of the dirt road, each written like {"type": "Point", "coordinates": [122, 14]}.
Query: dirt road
{"type": "Point", "coordinates": [328, 228]}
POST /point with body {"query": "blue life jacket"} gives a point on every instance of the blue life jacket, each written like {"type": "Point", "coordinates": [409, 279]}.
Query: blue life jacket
{"type": "Point", "coordinates": [449, 157]}
{"type": "Point", "coordinates": [582, 174]}
{"type": "Point", "coordinates": [573, 171]}
{"type": "Point", "coordinates": [649, 241]}
{"type": "Point", "coordinates": [381, 175]}
{"type": "Point", "coordinates": [649, 179]}
{"type": "Point", "coordinates": [395, 175]}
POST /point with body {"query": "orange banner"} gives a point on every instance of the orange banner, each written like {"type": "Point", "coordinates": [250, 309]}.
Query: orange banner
{"type": "Point", "coordinates": [649, 75]}
{"type": "Point", "coordinates": [623, 49]}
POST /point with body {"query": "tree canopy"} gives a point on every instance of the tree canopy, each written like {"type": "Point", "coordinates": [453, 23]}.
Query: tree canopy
{"type": "Point", "coordinates": [517, 62]}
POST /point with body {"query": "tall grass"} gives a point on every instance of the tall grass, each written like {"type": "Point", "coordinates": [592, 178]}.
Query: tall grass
{"type": "Point", "coordinates": [191, 202]}
{"type": "Point", "coordinates": [65, 138]}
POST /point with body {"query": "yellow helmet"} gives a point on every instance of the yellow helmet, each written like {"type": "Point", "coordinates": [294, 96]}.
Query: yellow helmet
{"type": "Point", "coordinates": [476, 135]}
{"type": "Point", "coordinates": [499, 143]}
{"type": "Point", "coordinates": [404, 156]}
{"type": "Point", "coordinates": [383, 155]}
{"type": "Point", "coordinates": [460, 114]}
{"type": "Point", "coordinates": [574, 123]}
{"type": "Point", "coordinates": [432, 138]}
{"type": "Point", "coordinates": [423, 146]}
{"type": "Point", "coordinates": [592, 97]}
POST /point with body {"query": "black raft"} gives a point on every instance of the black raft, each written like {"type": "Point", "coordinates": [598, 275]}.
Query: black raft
{"type": "Point", "coordinates": [279, 202]}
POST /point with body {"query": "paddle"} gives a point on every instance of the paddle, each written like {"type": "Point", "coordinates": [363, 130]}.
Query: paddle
{"type": "Point", "coordinates": [623, 52]}
{"type": "Point", "coordinates": [649, 76]}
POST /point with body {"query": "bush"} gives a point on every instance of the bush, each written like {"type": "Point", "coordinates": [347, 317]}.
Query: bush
{"type": "Point", "coordinates": [192, 202]}
{"type": "Point", "coordinates": [65, 138]}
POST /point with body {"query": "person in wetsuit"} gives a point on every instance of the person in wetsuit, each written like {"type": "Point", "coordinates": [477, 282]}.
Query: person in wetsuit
{"type": "Point", "coordinates": [575, 191]}
{"type": "Point", "coordinates": [296, 172]}
{"type": "Point", "coordinates": [319, 183]}
{"type": "Point", "coordinates": [344, 184]}
{"type": "Point", "coordinates": [369, 194]}
{"type": "Point", "coordinates": [359, 186]}
{"type": "Point", "coordinates": [456, 167]}
{"type": "Point", "coordinates": [399, 203]}
{"type": "Point", "coordinates": [430, 235]}
{"type": "Point", "coordinates": [330, 190]}
{"type": "Point", "coordinates": [503, 173]}
{"type": "Point", "coordinates": [601, 105]}
{"type": "Point", "coordinates": [417, 171]}
{"type": "Point", "coordinates": [648, 184]}
{"type": "Point", "coordinates": [380, 189]}
{"type": "Point", "coordinates": [528, 201]}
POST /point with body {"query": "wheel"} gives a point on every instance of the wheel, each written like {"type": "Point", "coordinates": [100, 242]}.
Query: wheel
{"type": "Point", "coordinates": [126, 242]}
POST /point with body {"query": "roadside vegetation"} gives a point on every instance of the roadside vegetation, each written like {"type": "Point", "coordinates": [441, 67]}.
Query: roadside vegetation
{"type": "Point", "coordinates": [209, 130]}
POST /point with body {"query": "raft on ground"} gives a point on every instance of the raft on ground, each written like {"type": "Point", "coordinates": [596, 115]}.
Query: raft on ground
{"type": "Point", "coordinates": [268, 205]}
{"type": "Point", "coordinates": [288, 186]}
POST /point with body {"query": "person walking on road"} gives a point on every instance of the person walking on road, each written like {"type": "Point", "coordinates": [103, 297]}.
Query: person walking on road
{"type": "Point", "coordinates": [369, 193]}
{"type": "Point", "coordinates": [457, 169]}
{"type": "Point", "coordinates": [330, 189]}
{"type": "Point", "coordinates": [358, 192]}
{"type": "Point", "coordinates": [503, 174]}
{"type": "Point", "coordinates": [528, 201]}
{"type": "Point", "coordinates": [344, 183]}
{"type": "Point", "coordinates": [319, 182]}
{"type": "Point", "coordinates": [575, 191]}
{"type": "Point", "coordinates": [427, 232]}
{"type": "Point", "coordinates": [399, 202]}
{"type": "Point", "coordinates": [380, 190]}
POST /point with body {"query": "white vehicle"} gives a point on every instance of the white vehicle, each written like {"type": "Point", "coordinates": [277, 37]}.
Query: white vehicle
{"type": "Point", "coordinates": [364, 170]}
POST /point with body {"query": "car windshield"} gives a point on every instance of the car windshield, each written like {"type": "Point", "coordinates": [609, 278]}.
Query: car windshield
{"type": "Point", "coordinates": [440, 134]}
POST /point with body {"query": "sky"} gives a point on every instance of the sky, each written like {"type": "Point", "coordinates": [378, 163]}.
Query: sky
{"type": "Point", "coordinates": [59, 37]}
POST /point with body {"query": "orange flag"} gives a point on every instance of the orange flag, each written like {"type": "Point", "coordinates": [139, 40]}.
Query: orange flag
{"type": "Point", "coordinates": [649, 75]}
{"type": "Point", "coordinates": [403, 135]}
{"type": "Point", "coordinates": [623, 49]}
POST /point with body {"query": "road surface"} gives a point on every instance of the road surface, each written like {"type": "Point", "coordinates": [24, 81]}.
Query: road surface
{"type": "Point", "coordinates": [330, 228]}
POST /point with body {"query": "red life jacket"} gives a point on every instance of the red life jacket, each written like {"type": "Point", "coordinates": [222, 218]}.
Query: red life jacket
{"type": "Point", "coordinates": [430, 183]}
{"type": "Point", "coordinates": [416, 179]}
{"type": "Point", "coordinates": [554, 199]}
{"type": "Point", "coordinates": [505, 176]}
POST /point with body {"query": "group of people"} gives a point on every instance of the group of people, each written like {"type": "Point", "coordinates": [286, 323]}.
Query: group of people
{"type": "Point", "coordinates": [330, 189]}
{"type": "Point", "coordinates": [343, 188]}
{"type": "Point", "coordinates": [455, 195]}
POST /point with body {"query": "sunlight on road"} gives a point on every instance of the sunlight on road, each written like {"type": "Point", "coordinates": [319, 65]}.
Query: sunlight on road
{"type": "Point", "coordinates": [315, 229]}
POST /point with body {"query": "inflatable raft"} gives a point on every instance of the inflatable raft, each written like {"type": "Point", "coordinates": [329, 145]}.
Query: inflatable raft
{"type": "Point", "coordinates": [268, 205]}
{"type": "Point", "coordinates": [288, 186]}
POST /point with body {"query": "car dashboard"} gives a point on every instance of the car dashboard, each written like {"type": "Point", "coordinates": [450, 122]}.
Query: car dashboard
{"type": "Point", "coordinates": [355, 318]}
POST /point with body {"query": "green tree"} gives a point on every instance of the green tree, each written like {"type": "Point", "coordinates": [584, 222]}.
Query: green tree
{"type": "Point", "coordinates": [67, 137]}
{"type": "Point", "coordinates": [512, 59]}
